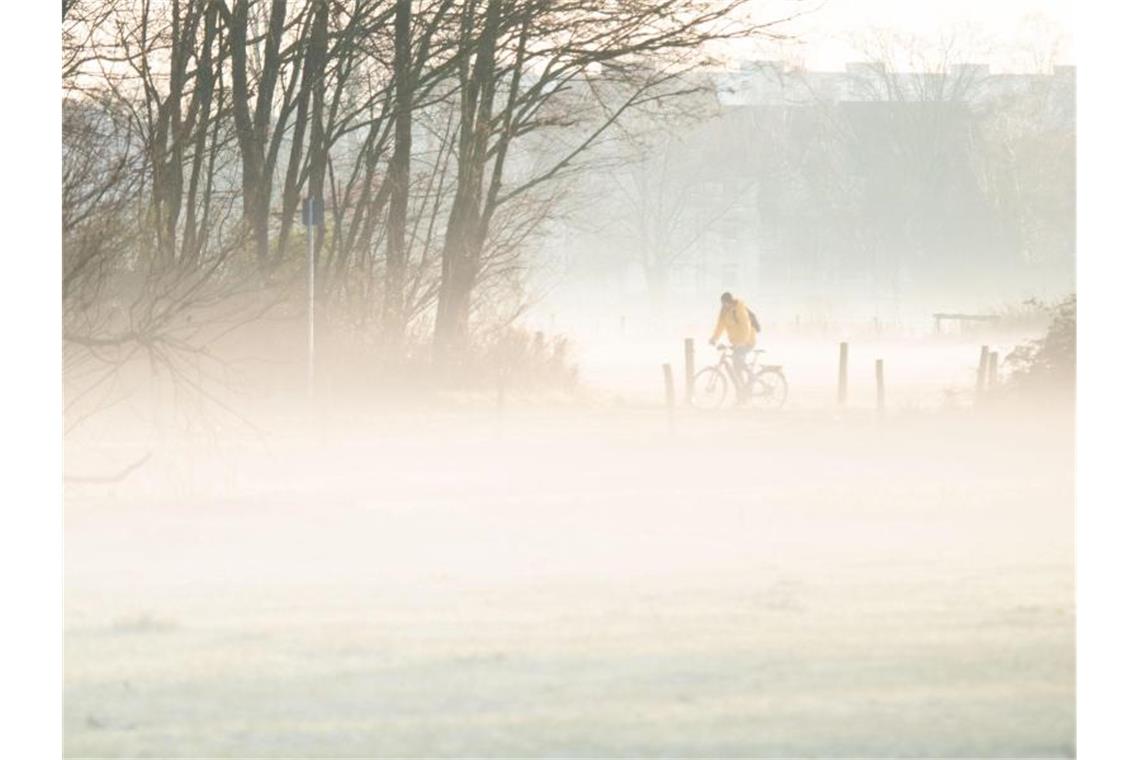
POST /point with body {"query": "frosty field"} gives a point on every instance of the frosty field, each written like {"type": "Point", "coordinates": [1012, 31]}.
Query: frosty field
{"type": "Point", "coordinates": [581, 583]}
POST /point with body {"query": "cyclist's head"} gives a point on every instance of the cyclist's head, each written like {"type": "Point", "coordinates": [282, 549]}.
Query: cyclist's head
{"type": "Point", "coordinates": [726, 298]}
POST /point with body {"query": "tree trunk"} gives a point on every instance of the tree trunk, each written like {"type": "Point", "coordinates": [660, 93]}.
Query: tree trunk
{"type": "Point", "coordinates": [463, 241]}
{"type": "Point", "coordinates": [396, 253]}
{"type": "Point", "coordinates": [253, 128]}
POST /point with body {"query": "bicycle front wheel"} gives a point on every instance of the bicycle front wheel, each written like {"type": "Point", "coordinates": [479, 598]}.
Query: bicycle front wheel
{"type": "Point", "coordinates": [769, 389]}
{"type": "Point", "coordinates": [710, 389]}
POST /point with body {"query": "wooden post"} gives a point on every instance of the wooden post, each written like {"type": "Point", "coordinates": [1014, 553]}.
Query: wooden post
{"type": "Point", "coordinates": [500, 391]}
{"type": "Point", "coordinates": [689, 370]}
{"type": "Point", "coordinates": [880, 390]}
{"type": "Point", "coordinates": [843, 373]}
{"type": "Point", "coordinates": [992, 380]}
{"type": "Point", "coordinates": [667, 370]}
{"type": "Point", "coordinates": [980, 381]}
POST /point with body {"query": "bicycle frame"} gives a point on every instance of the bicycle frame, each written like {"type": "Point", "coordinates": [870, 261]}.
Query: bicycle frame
{"type": "Point", "coordinates": [726, 365]}
{"type": "Point", "coordinates": [754, 367]}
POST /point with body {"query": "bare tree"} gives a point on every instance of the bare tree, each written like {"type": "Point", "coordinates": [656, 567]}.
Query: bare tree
{"type": "Point", "coordinates": [671, 197]}
{"type": "Point", "coordinates": [437, 131]}
{"type": "Point", "coordinates": [574, 67]}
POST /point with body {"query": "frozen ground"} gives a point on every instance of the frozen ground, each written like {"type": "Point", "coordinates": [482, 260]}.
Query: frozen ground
{"type": "Point", "coordinates": [581, 584]}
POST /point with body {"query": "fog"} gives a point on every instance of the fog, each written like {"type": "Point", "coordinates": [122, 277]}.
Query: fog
{"type": "Point", "coordinates": [574, 576]}
{"type": "Point", "coordinates": [446, 465]}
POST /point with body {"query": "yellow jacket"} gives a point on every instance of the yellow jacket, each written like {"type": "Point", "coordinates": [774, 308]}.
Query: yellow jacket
{"type": "Point", "coordinates": [734, 321]}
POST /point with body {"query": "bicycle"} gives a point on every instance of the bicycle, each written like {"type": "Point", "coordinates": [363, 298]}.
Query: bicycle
{"type": "Point", "coordinates": [764, 384]}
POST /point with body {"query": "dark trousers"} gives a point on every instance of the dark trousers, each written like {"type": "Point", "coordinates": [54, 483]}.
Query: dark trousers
{"type": "Point", "coordinates": [740, 368]}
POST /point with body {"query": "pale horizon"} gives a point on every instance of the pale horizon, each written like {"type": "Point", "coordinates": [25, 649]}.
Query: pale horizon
{"type": "Point", "coordinates": [1011, 36]}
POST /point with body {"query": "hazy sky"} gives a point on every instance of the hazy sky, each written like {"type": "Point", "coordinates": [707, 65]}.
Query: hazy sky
{"type": "Point", "coordinates": [1001, 31]}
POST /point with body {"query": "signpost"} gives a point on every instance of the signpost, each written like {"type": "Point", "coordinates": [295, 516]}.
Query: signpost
{"type": "Point", "coordinates": [312, 215]}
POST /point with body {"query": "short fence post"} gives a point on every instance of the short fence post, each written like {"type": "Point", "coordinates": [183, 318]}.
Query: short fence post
{"type": "Point", "coordinates": [980, 381]}
{"type": "Point", "coordinates": [500, 391]}
{"type": "Point", "coordinates": [880, 390]}
{"type": "Point", "coordinates": [992, 380]}
{"type": "Point", "coordinates": [843, 373]}
{"type": "Point", "coordinates": [667, 370]}
{"type": "Point", "coordinates": [689, 370]}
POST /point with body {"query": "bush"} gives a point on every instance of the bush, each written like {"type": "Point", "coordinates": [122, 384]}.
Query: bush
{"type": "Point", "coordinates": [511, 357]}
{"type": "Point", "coordinates": [526, 360]}
{"type": "Point", "coordinates": [1048, 364]}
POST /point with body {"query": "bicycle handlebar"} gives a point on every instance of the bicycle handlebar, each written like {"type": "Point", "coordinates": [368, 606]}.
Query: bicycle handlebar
{"type": "Point", "coordinates": [723, 347]}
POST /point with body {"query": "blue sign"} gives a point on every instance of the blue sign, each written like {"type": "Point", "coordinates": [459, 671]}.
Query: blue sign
{"type": "Point", "coordinates": [313, 212]}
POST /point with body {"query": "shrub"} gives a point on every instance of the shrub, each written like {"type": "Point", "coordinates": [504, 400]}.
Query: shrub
{"type": "Point", "coordinates": [1048, 364]}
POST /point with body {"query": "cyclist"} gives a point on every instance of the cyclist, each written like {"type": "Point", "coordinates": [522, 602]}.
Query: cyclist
{"type": "Point", "coordinates": [740, 324]}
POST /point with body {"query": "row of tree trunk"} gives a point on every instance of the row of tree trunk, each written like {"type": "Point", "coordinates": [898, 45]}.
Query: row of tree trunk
{"type": "Point", "coordinates": [433, 129]}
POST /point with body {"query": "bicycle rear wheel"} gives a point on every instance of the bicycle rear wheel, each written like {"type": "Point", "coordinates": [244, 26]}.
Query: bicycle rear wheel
{"type": "Point", "coordinates": [710, 389]}
{"type": "Point", "coordinates": [769, 388]}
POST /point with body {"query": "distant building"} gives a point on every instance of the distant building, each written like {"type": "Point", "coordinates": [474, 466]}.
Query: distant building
{"type": "Point", "coordinates": [836, 188]}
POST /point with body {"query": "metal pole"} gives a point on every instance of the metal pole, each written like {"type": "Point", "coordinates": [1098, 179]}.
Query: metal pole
{"type": "Point", "coordinates": [312, 300]}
